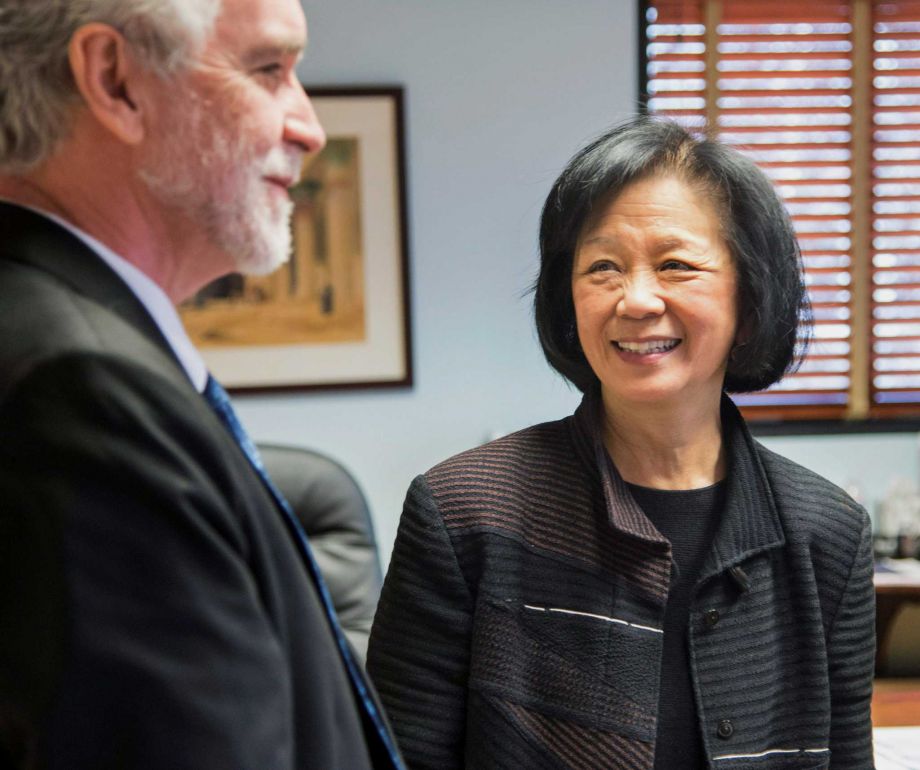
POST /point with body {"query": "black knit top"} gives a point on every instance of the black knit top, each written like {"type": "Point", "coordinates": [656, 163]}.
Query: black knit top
{"type": "Point", "coordinates": [688, 519]}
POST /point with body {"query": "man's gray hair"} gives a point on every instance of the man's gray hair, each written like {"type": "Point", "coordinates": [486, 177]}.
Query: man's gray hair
{"type": "Point", "coordinates": [37, 89]}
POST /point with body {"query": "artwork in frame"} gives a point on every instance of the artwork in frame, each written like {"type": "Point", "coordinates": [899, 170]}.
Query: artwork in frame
{"type": "Point", "coordinates": [337, 315]}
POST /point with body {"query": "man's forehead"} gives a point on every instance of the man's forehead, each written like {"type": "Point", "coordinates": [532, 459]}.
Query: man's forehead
{"type": "Point", "coordinates": [257, 27]}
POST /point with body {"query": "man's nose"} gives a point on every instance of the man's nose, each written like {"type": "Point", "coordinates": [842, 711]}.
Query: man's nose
{"type": "Point", "coordinates": [301, 125]}
{"type": "Point", "coordinates": [640, 298]}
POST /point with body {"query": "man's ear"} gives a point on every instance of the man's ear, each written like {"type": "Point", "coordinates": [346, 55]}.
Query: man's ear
{"type": "Point", "coordinates": [108, 77]}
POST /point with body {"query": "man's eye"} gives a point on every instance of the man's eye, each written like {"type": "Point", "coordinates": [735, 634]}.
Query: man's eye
{"type": "Point", "coordinates": [270, 70]}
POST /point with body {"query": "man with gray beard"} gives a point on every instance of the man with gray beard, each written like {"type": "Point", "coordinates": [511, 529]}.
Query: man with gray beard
{"type": "Point", "coordinates": [159, 606]}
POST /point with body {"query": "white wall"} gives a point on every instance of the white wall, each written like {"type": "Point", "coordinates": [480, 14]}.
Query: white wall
{"type": "Point", "coordinates": [864, 464]}
{"type": "Point", "coordinates": [499, 93]}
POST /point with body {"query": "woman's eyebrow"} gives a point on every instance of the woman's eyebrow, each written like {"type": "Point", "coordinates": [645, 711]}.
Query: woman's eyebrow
{"type": "Point", "coordinates": [670, 243]}
{"type": "Point", "coordinates": [600, 238]}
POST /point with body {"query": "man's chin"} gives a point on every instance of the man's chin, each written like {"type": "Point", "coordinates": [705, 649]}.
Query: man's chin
{"type": "Point", "coordinates": [262, 265]}
{"type": "Point", "coordinates": [272, 251]}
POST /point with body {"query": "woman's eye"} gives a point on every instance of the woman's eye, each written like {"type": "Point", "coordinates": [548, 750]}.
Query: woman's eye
{"type": "Point", "coordinates": [601, 267]}
{"type": "Point", "coordinates": [675, 264]}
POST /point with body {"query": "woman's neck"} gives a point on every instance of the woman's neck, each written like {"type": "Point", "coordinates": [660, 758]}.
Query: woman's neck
{"type": "Point", "coordinates": [665, 447]}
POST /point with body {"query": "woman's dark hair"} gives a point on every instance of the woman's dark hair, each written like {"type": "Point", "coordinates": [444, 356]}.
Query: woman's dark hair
{"type": "Point", "coordinates": [772, 299]}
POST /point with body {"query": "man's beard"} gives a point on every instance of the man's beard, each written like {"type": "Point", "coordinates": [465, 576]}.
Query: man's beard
{"type": "Point", "coordinates": [208, 169]}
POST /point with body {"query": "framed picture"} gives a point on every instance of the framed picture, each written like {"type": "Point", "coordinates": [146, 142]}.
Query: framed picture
{"type": "Point", "coordinates": [337, 315]}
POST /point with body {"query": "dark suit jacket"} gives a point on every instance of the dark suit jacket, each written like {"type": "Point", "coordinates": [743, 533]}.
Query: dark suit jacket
{"type": "Point", "coordinates": [154, 611]}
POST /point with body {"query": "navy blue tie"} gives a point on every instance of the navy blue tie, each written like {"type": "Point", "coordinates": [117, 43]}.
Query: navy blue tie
{"type": "Point", "coordinates": [217, 397]}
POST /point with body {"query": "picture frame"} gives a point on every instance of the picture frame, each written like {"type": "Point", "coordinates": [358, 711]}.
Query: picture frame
{"type": "Point", "coordinates": [338, 314]}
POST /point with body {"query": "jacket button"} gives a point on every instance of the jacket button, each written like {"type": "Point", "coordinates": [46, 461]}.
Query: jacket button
{"type": "Point", "coordinates": [725, 729]}
{"type": "Point", "coordinates": [711, 617]}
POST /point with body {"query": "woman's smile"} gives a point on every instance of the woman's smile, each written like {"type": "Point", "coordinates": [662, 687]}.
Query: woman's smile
{"type": "Point", "coordinates": [645, 349]}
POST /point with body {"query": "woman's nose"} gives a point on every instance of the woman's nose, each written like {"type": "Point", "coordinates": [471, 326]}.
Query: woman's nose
{"type": "Point", "coordinates": [640, 298]}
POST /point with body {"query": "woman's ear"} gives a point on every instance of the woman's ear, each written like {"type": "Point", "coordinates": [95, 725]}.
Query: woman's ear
{"type": "Point", "coordinates": [742, 337]}
{"type": "Point", "coordinates": [742, 334]}
{"type": "Point", "coordinates": [107, 75]}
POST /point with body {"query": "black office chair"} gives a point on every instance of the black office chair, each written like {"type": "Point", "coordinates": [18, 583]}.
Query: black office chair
{"type": "Point", "coordinates": [334, 513]}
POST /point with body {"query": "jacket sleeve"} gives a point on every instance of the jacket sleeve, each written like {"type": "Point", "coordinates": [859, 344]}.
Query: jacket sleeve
{"type": "Point", "coordinates": [419, 648]}
{"type": "Point", "coordinates": [132, 631]}
{"type": "Point", "coordinates": [851, 662]}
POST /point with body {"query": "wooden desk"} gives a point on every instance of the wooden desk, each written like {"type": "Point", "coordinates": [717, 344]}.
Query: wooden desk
{"type": "Point", "coordinates": [896, 702]}
{"type": "Point", "coordinates": [897, 582]}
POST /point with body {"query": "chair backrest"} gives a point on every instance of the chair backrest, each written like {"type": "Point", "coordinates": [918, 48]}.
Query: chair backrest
{"type": "Point", "coordinates": [333, 511]}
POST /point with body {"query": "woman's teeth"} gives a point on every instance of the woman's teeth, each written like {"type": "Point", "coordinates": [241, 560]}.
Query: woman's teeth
{"type": "Point", "coordinates": [657, 346]}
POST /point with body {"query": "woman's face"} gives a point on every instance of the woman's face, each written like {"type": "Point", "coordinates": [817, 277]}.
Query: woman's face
{"type": "Point", "coordinates": [655, 289]}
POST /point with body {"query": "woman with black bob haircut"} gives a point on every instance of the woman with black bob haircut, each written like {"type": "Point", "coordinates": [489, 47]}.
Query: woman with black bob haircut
{"type": "Point", "coordinates": [640, 585]}
{"type": "Point", "coordinates": [756, 230]}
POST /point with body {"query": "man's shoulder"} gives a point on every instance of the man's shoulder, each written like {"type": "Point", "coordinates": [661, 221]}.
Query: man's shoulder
{"type": "Point", "coordinates": [45, 320]}
{"type": "Point", "coordinates": [42, 308]}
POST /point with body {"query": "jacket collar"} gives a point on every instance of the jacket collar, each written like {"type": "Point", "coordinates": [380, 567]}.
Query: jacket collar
{"type": "Point", "coordinates": [34, 240]}
{"type": "Point", "coordinates": [750, 522]}
{"type": "Point", "coordinates": [623, 511]}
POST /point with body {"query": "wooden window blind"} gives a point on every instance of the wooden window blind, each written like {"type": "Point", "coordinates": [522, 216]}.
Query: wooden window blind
{"type": "Point", "coordinates": [824, 95]}
{"type": "Point", "coordinates": [895, 250]}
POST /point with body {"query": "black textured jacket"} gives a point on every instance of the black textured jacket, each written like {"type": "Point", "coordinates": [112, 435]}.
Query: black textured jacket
{"type": "Point", "coordinates": [520, 621]}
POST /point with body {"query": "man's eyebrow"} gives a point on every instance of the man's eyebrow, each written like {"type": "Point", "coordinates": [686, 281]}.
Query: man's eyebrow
{"type": "Point", "coordinates": [287, 48]}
